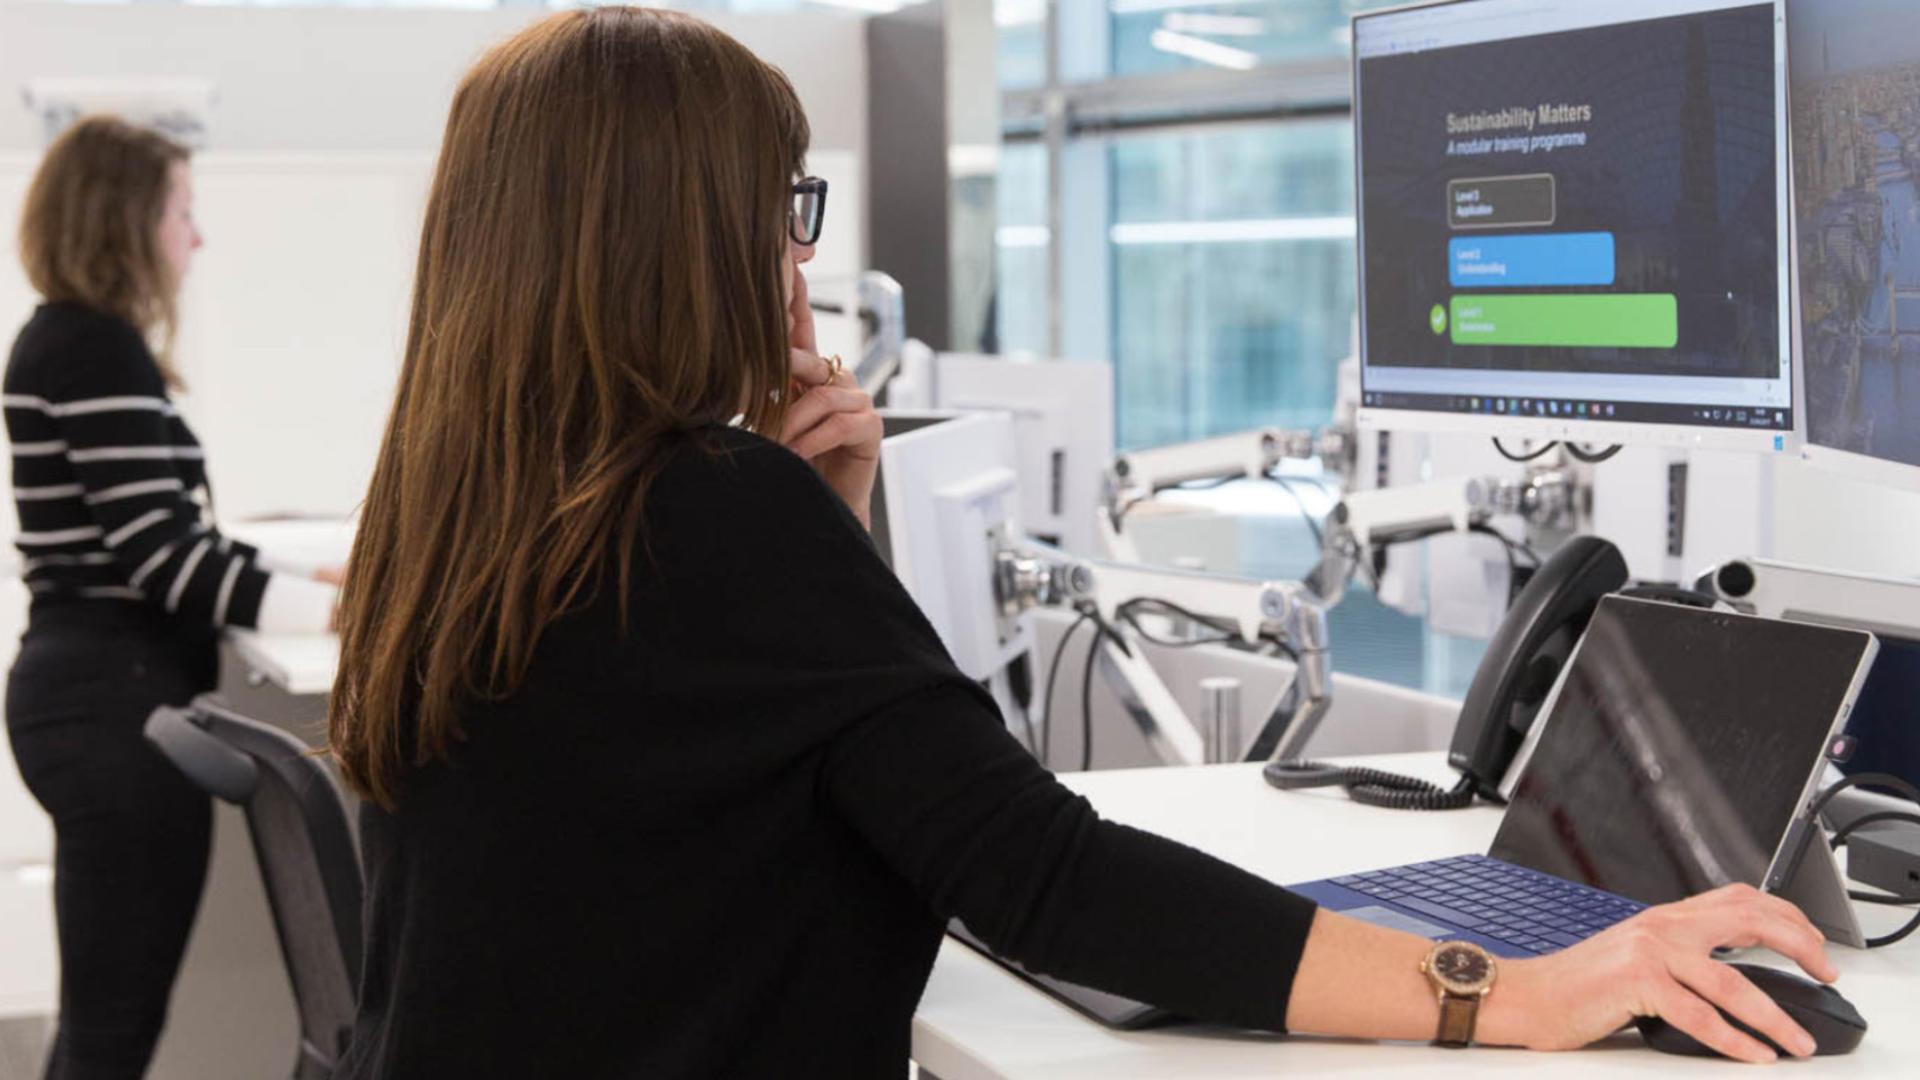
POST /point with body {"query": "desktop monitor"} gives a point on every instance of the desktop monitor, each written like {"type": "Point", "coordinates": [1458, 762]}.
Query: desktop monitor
{"type": "Point", "coordinates": [1571, 220]}
{"type": "Point", "coordinates": [1854, 86]}
{"type": "Point", "coordinates": [946, 500]}
{"type": "Point", "coordinates": [1063, 425]}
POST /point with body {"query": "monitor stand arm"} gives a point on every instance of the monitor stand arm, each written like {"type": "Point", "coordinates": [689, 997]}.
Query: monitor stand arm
{"type": "Point", "coordinates": [1889, 607]}
{"type": "Point", "coordinates": [1256, 611]}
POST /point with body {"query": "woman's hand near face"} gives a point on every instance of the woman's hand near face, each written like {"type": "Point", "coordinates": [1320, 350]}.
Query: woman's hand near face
{"type": "Point", "coordinates": [831, 422]}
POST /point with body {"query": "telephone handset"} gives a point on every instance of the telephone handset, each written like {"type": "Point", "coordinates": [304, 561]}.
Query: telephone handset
{"type": "Point", "coordinates": [1525, 657]}
{"type": "Point", "coordinates": [1514, 678]}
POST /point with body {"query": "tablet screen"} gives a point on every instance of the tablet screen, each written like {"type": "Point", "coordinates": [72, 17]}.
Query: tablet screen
{"type": "Point", "coordinates": [1678, 749]}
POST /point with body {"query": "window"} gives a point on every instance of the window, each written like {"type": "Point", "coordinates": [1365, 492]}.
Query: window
{"type": "Point", "coordinates": [1151, 36]}
{"type": "Point", "coordinates": [1022, 43]}
{"type": "Point", "coordinates": [1020, 302]}
{"type": "Point", "coordinates": [1233, 271]}
{"type": "Point", "coordinates": [1206, 248]}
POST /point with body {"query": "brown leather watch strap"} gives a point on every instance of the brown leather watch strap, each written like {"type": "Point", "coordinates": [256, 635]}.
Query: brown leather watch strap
{"type": "Point", "coordinates": [1457, 1017]}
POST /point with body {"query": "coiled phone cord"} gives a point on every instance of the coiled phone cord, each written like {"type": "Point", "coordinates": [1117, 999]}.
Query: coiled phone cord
{"type": "Point", "coordinates": [1370, 787]}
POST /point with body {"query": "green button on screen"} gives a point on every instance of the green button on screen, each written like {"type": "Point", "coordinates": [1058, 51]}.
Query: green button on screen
{"type": "Point", "coordinates": [1605, 320]}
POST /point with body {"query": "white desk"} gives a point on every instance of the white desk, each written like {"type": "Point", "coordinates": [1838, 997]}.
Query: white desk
{"type": "Point", "coordinates": [977, 1021]}
{"type": "Point", "coordinates": [298, 664]}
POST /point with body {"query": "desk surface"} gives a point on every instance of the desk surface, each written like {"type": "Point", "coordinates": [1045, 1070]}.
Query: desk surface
{"type": "Point", "coordinates": [296, 663]}
{"type": "Point", "coordinates": [977, 1021]}
{"type": "Point", "coordinates": [299, 664]}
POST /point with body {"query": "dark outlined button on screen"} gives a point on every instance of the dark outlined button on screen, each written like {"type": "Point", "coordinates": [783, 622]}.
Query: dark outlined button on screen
{"type": "Point", "coordinates": [1501, 202]}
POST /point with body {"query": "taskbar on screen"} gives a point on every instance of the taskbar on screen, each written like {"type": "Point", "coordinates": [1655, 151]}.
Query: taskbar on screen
{"type": "Point", "coordinates": [1625, 412]}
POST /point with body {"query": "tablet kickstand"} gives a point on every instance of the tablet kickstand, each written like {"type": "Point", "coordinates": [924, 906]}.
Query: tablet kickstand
{"type": "Point", "coordinates": [1817, 887]}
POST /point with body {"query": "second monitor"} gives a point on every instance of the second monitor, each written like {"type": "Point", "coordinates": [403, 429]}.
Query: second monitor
{"type": "Point", "coordinates": [1571, 220]}
{"type": "Point", "coordinates": [1855, 67]}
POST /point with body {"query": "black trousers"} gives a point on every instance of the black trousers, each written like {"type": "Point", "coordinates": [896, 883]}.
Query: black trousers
{"type": "Point", "coordinates": [131, 834]}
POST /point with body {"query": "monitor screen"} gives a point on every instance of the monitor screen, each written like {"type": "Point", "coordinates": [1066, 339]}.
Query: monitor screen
{"type": "Point", "coordinates": [1854, 72]}
{"type": "Point", "coordinates": [1571, 213]}
{"type": "Point", "coordinates": [1678, 748]}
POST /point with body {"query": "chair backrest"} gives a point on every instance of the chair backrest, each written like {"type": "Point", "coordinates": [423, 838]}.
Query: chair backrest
{"type": "Point", "coordinates": [309, 862]}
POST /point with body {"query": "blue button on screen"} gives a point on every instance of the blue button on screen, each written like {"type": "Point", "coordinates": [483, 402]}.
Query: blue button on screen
{"type": "Point", "coordinates": [1534, 260]}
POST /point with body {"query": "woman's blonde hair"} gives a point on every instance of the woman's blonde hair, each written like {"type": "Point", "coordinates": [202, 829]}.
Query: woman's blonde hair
{"type": "Point", "coordinates": [90, 233]}
{"type": "Point", "coordinates": [600, 274]}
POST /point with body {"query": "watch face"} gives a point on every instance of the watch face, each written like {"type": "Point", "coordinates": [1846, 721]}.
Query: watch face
{"type": "Point", "coordinates": [1463, 969]}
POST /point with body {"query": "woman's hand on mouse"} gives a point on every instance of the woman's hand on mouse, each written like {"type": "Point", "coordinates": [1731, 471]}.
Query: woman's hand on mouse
{"type": "Point", "coordinates": [1660, 963]}
{"type": "Point", "coordinates": [831, 422]}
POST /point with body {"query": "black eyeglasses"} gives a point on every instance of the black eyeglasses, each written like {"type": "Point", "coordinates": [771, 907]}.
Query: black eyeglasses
{"type": "Point", "coordinates": [809, 208]}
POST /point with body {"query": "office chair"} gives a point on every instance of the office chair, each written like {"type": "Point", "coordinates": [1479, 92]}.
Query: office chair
{"type": "Point", "coordinates": [309, 861]}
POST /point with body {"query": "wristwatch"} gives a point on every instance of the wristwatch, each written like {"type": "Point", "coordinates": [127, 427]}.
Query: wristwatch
{"type": "Point", "coordinates": [1462, 973]}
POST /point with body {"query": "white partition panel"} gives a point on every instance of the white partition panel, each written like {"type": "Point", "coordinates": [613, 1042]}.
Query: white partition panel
{"type": "Point", "coordinates": [293, 322]}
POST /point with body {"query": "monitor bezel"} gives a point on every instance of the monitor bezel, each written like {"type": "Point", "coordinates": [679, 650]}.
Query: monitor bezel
{"type": "Point", "coordinates": [1609, 432]}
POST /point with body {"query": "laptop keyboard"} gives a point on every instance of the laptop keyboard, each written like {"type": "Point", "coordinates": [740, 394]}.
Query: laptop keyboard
{"type": "Point", "coordinates": [1510, 903]}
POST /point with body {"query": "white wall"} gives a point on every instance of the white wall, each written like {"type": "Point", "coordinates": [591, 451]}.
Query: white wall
{"type": "Point", "coordinates": [322, 140]}
{"type": "Point", "coordinates": [1828, 519]}
{"type": "Point", "coordinates": [358, 79]}
{"type": "Point", "coordinates": [293, 320]}
{"type": "Point", "coordinates": [295, 313]}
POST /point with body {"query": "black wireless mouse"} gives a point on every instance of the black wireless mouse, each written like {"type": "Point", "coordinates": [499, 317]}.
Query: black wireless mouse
{"type": "Point", "coordinates": [1836, 1026]}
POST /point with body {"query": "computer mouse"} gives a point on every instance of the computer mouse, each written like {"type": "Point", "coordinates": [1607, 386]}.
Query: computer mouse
{"type": "Point", "coordinates": [1836, 1026]}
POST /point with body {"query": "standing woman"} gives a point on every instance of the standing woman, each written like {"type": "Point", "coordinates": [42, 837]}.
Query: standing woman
{"type": "Point", "coordinates": [130, 581]}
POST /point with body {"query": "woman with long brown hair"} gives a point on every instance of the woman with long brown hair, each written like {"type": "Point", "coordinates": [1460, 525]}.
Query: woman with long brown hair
{"type": "Point", "coordinates": [665, 773]}
{"type": "Point", "coordinates": [130, 580]}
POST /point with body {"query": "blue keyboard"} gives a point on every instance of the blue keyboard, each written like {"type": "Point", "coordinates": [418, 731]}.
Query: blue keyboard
{"type": "Point", "coordinates": [1510, 903]}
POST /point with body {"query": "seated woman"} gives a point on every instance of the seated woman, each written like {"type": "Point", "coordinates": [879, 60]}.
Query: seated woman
{"type": "Point", "coordinates": [666, 774]}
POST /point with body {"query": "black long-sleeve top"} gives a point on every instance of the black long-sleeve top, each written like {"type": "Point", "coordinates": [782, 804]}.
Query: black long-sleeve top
{"type": "Point", "coordinates": [724, 842]}
{"type": "Point", "coordinates": [108, 480]}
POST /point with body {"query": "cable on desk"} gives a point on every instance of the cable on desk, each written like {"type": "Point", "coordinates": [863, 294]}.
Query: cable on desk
{"type": "Point", "coordinates": [1358, 559]}
{"type": "Point", "coordinates": [1101, 629]}
{"type": "Point", "coordinates": [1839, 840]}
{"type": "Point", "coordinates": [1531, 455]}
{"type": "Point", "coordinates": [1020, 689]}
{"type": "Point", "coordinates": [1592, 457]}
{"type": "Point", "coordinates": [1370, 787]}
{"type": "Point", "coordinates": [1883, 898]}
{"type": "Point", "coordinates": [1189, 485]}
{"type": "Point", "coordinates": [1865, 779]}
{"type": "Point", "coordinates": [1129, 613]}
{"type": "Point", "coordinates": [1033, 741]}
{"type": "Point", "coordinates": [1279, 645]}
{"type": "Point", "coordinates": [1841, 836]}
{"type": "Point", "coordinates": [1053, 672]}
{"type": "Point", "coordinates": [1319, 538]}
{"type": "Point", "coordinates": [1514, 549]}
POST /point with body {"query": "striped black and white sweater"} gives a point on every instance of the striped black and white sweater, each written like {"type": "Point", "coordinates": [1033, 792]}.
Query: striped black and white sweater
{"type": "Point", "coordinates": [111, 488]}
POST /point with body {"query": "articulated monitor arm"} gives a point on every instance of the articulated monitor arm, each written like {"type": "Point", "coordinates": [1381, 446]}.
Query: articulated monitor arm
{"type": "Point", "coordinates": [1256, 611]}
{"type": "Point", "coordinates": [880, 304]}
{"type": "Point", "coordinates": [1889, 607]}
{"type": "Point", "coordinates": [1138, 476]}
{"type": "Point", "coordinates": [1367, 523]}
